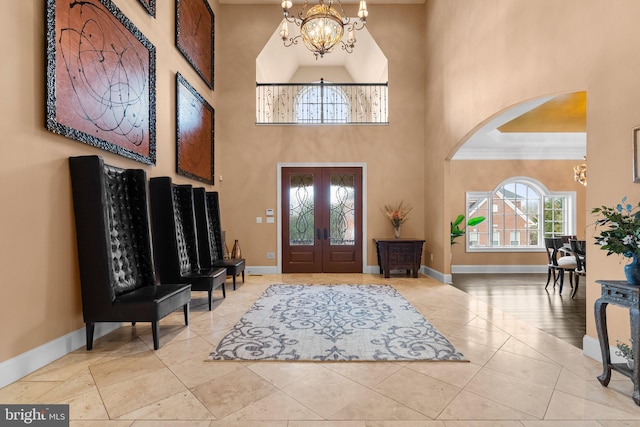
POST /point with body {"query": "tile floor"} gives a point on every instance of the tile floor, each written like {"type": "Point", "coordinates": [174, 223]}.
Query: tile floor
{"type": "Point", "coordinates": [517, 375]}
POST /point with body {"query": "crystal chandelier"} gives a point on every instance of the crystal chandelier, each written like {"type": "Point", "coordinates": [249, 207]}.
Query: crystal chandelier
{"type": "Point", "coordinates": [322, 26]}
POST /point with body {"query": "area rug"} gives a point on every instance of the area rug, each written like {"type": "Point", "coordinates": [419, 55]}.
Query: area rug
{"type": "Point", "coordinates": [334, 323]}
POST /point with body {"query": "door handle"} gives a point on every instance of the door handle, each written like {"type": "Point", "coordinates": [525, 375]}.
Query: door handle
{"type": "Point", "coordinates": [318, 234]}
{"type": "Point", "coordinates": [326, 234]}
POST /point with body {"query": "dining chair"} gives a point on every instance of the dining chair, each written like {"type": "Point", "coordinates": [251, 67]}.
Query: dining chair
{"type": "Point", "coordinates": [577, 248]}
{"type": "Point", "coordinates": [558, 264]}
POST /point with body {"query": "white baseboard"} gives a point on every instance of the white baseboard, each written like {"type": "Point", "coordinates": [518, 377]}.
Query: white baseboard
{"type": "Point", "coordinates": [497, 269]}
{"type": "Point", "coordinates": [22, 365]}
{"type": "Point", "coordinates": [591, 348]}
{"type": "Point", "coordinates": [258, 270]}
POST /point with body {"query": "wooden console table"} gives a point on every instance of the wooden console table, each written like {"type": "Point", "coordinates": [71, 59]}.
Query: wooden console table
{"type": "Point", "coordinates": [620, 293]}
{"type": "Point", "coordinates": [399, 254]}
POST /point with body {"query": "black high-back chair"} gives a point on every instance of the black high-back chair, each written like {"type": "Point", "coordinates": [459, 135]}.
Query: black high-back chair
{"type": "Point", "coordinates": [174, 233]}
{"type": "Point", "coordinates": [207, 211]}
{"type": "Point", "coordinates": [117, 277]}
{"type": "Point", "coordinates": [559, 263]}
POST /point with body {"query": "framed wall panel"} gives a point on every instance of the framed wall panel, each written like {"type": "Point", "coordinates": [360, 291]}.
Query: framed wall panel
{"type": "Point", "coordinates": [101, 77]}
{"type": "Point", "coordinates": [195, 36]}
{"type": "Point", "coordinates": [150, 6]}
{"type": "Point", "coordinates": [195, 133]}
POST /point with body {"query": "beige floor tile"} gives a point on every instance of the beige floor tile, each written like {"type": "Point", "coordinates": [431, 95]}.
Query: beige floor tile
{"type": "Point", "coordinates": [472, 407]}
{"type": "Point", "coordinates": [514, 345]}
{"type": "Point", "coordinates": [100, 423]}
{"type": "Point", "coordinates": [525, 368]}
{"type": "Point", "coordinates": [129, 395]}
{"type": "Point", "coordinates": [325, 392]}
{"type": "Point", "coordinates": [282, 374]}
{"type": "Point", "coordinates": [556, 423]}
{"type": "Point", "coordinates": [87, 406]}
{"type": "Point", "coordinates": [229, 393]}
{"type": "Point", "coordinates": [183, 406]}
{"type": "Point", "coordinates": [457, 374]}
{"type": "Point", "coordinates": [367, 374]}
{"type": "Point", "coordinates": [491, 423]}
{"type": "Point", "coordinates": [327, 424]}
{"type": "Point", "coordinates": [520, 394]}
{"type": "Point", "coordinates": [172, 423]}
{"type": "Point", "coordinates": [491, 338]}
{"type": "Point", "coordinates": [419, 392]}
{"type": "Point", "coordinates": [616, 423]}
{"type": "Point", "coordinates": [66, 367]}
{"type": "Point", "coordinates": [565, 406]}
{"type": "Point", "coordinates": [194, 372]}
{"type": "Point", "coordinates": [79, 384]}
{"type": "Point", "coordinates": [374, 406]}
{"type": "Point", "coordinates": [114, 370]}
{"type": "Point", "coordinates": [276, 406]}
{"type": "Point", "coordinates": [176, 352]}
{"type": "Point", "coordinates": [248, 423]}
{"type": "Point", "coordinates": [26, 391]}
{"type": "Point", "coordinates": [478, 354]}
{"type": "Point", "coordinates": [412, 423]}
{"type": "Point", "coordinates": [572, 384]}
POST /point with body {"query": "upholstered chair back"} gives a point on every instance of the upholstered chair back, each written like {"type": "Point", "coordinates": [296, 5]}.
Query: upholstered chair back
{"type": "Point", "coordinates": [113, 233]}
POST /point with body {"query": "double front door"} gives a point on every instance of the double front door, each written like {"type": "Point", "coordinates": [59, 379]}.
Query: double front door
{"type": "Point", "coordinates": [322, 220]}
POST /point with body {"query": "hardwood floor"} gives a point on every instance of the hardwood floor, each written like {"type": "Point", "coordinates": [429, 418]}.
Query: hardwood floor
{"type": "Point", "coordinates": [524, 296]}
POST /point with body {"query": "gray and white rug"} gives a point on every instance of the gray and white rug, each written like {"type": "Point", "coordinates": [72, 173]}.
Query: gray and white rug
{"type": "Point", "coordinates": [334, 322]}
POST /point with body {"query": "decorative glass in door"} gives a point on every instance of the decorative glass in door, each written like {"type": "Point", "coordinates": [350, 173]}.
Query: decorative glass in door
{"type": "Point", "coordinates": [342, 209]}
{"type": "Point", "coordinates": [301, 210]}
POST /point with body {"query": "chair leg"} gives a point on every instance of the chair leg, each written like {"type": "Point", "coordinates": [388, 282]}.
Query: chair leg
{"type": "Point", "coordinates": [561, 272]}
{"type": "Point", "coordinates": [186, 314]}
{"type": "Point", "coordinates": [575, 288]}
{"type": "Point", "coordinates": [155, 330]}
{"type": "Point", "coordinates": [242, 276]}
{"type": "Point", "coordinates": [210, 298]}
{"type": "Point", "coordinates": [545, 286]}
{"type": "Point", "coordinates": [91, 326]}
{"type": "Point", "coordinates": [224, 293]}
{"type": "Point", "coordinates": [234, 281]}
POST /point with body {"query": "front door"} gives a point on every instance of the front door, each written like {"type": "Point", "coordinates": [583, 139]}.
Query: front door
{"type": "Point", "coordinates": [322, 220]}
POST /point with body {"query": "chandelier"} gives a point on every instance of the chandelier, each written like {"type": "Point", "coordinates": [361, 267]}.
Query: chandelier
{"type": "Point", "coordinates": [322, 26]}
{"type": "Point", "coordinates": [580, 173]}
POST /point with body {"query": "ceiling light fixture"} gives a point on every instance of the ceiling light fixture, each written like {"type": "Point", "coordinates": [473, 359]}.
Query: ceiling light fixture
{"type": "Point", "coordinates": [580, 173]}
{"type": "Point", "coordinates": [322, 26]}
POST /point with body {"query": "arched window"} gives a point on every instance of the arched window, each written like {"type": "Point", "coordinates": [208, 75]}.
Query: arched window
{"type": "Point", "coordinates": [520, 212]}
{"type": "Point", "coordinates": [322, 103]}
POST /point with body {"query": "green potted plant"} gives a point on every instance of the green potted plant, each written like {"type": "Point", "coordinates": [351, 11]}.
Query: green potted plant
{"type": "Point", "coordinates": [457, 231]}
{"type": "Point", "coordinates": [624, 350]}
{"type": "Point", "coordinates": [620, 234]}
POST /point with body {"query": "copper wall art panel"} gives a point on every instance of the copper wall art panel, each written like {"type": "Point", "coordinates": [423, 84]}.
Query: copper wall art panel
{"type": "Point", "coordinates": [101, 73]}
{"type": "Point", "coordinates": [195, 36]}
{"type": "Point", "coordinates": [195, 133]}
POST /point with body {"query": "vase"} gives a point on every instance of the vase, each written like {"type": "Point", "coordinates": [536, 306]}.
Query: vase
{"type": "Point", "coordinates": [236, 252]}
{"type": "Point", "coordinates": [225, 249]}
{"type": "Point", "coordinates": [632, 271]}
{"type": "Point", "coordinates": [396, 231]}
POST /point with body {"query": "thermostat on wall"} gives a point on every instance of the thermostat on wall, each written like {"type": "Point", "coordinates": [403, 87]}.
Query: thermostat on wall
{"type": "Point", "coordinates": [269, 212]}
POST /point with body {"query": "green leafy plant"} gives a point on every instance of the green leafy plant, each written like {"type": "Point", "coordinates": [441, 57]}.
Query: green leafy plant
{"type": "Point", "coordinates": [624, 350]}
{"type": "Point", "coordinates": [620, 228]}
{"type": "Point", "coordinates": [456, 231]}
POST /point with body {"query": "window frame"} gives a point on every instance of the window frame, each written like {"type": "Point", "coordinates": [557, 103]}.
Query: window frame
{"type": "Point", "coordinates": [569, 219]}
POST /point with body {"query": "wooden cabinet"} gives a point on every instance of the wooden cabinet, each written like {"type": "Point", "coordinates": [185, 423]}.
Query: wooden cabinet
{"type": "Point", "coordinates": [399, 254]}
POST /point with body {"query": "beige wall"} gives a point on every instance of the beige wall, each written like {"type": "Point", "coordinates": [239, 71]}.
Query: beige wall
{"type": "Point", "coordinates": [486, 175]}
{"type": "Point", "coordinates": [40, 287]}
{"type": "Point", "coordinates": [485, 56]}
{"type": "Point", "coordinates": [250, 154]}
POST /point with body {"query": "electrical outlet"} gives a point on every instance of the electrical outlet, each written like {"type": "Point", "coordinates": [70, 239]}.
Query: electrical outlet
{"type": "Point", "coordinates": [431, 257]}
{"type": "Point", "coordinates": [258, 220]}
{"type": "Point", "coordinates": [271, 255]}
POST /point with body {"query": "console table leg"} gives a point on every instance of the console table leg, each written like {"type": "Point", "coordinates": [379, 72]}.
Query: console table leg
{"type": "Point", "coordinates": [600, 308]}
{"type": "Point", "coordinates": [634, 317]}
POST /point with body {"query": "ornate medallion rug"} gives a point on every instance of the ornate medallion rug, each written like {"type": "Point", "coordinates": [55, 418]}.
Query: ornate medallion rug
{"type": "Point", "coordinates": [334, 322]}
